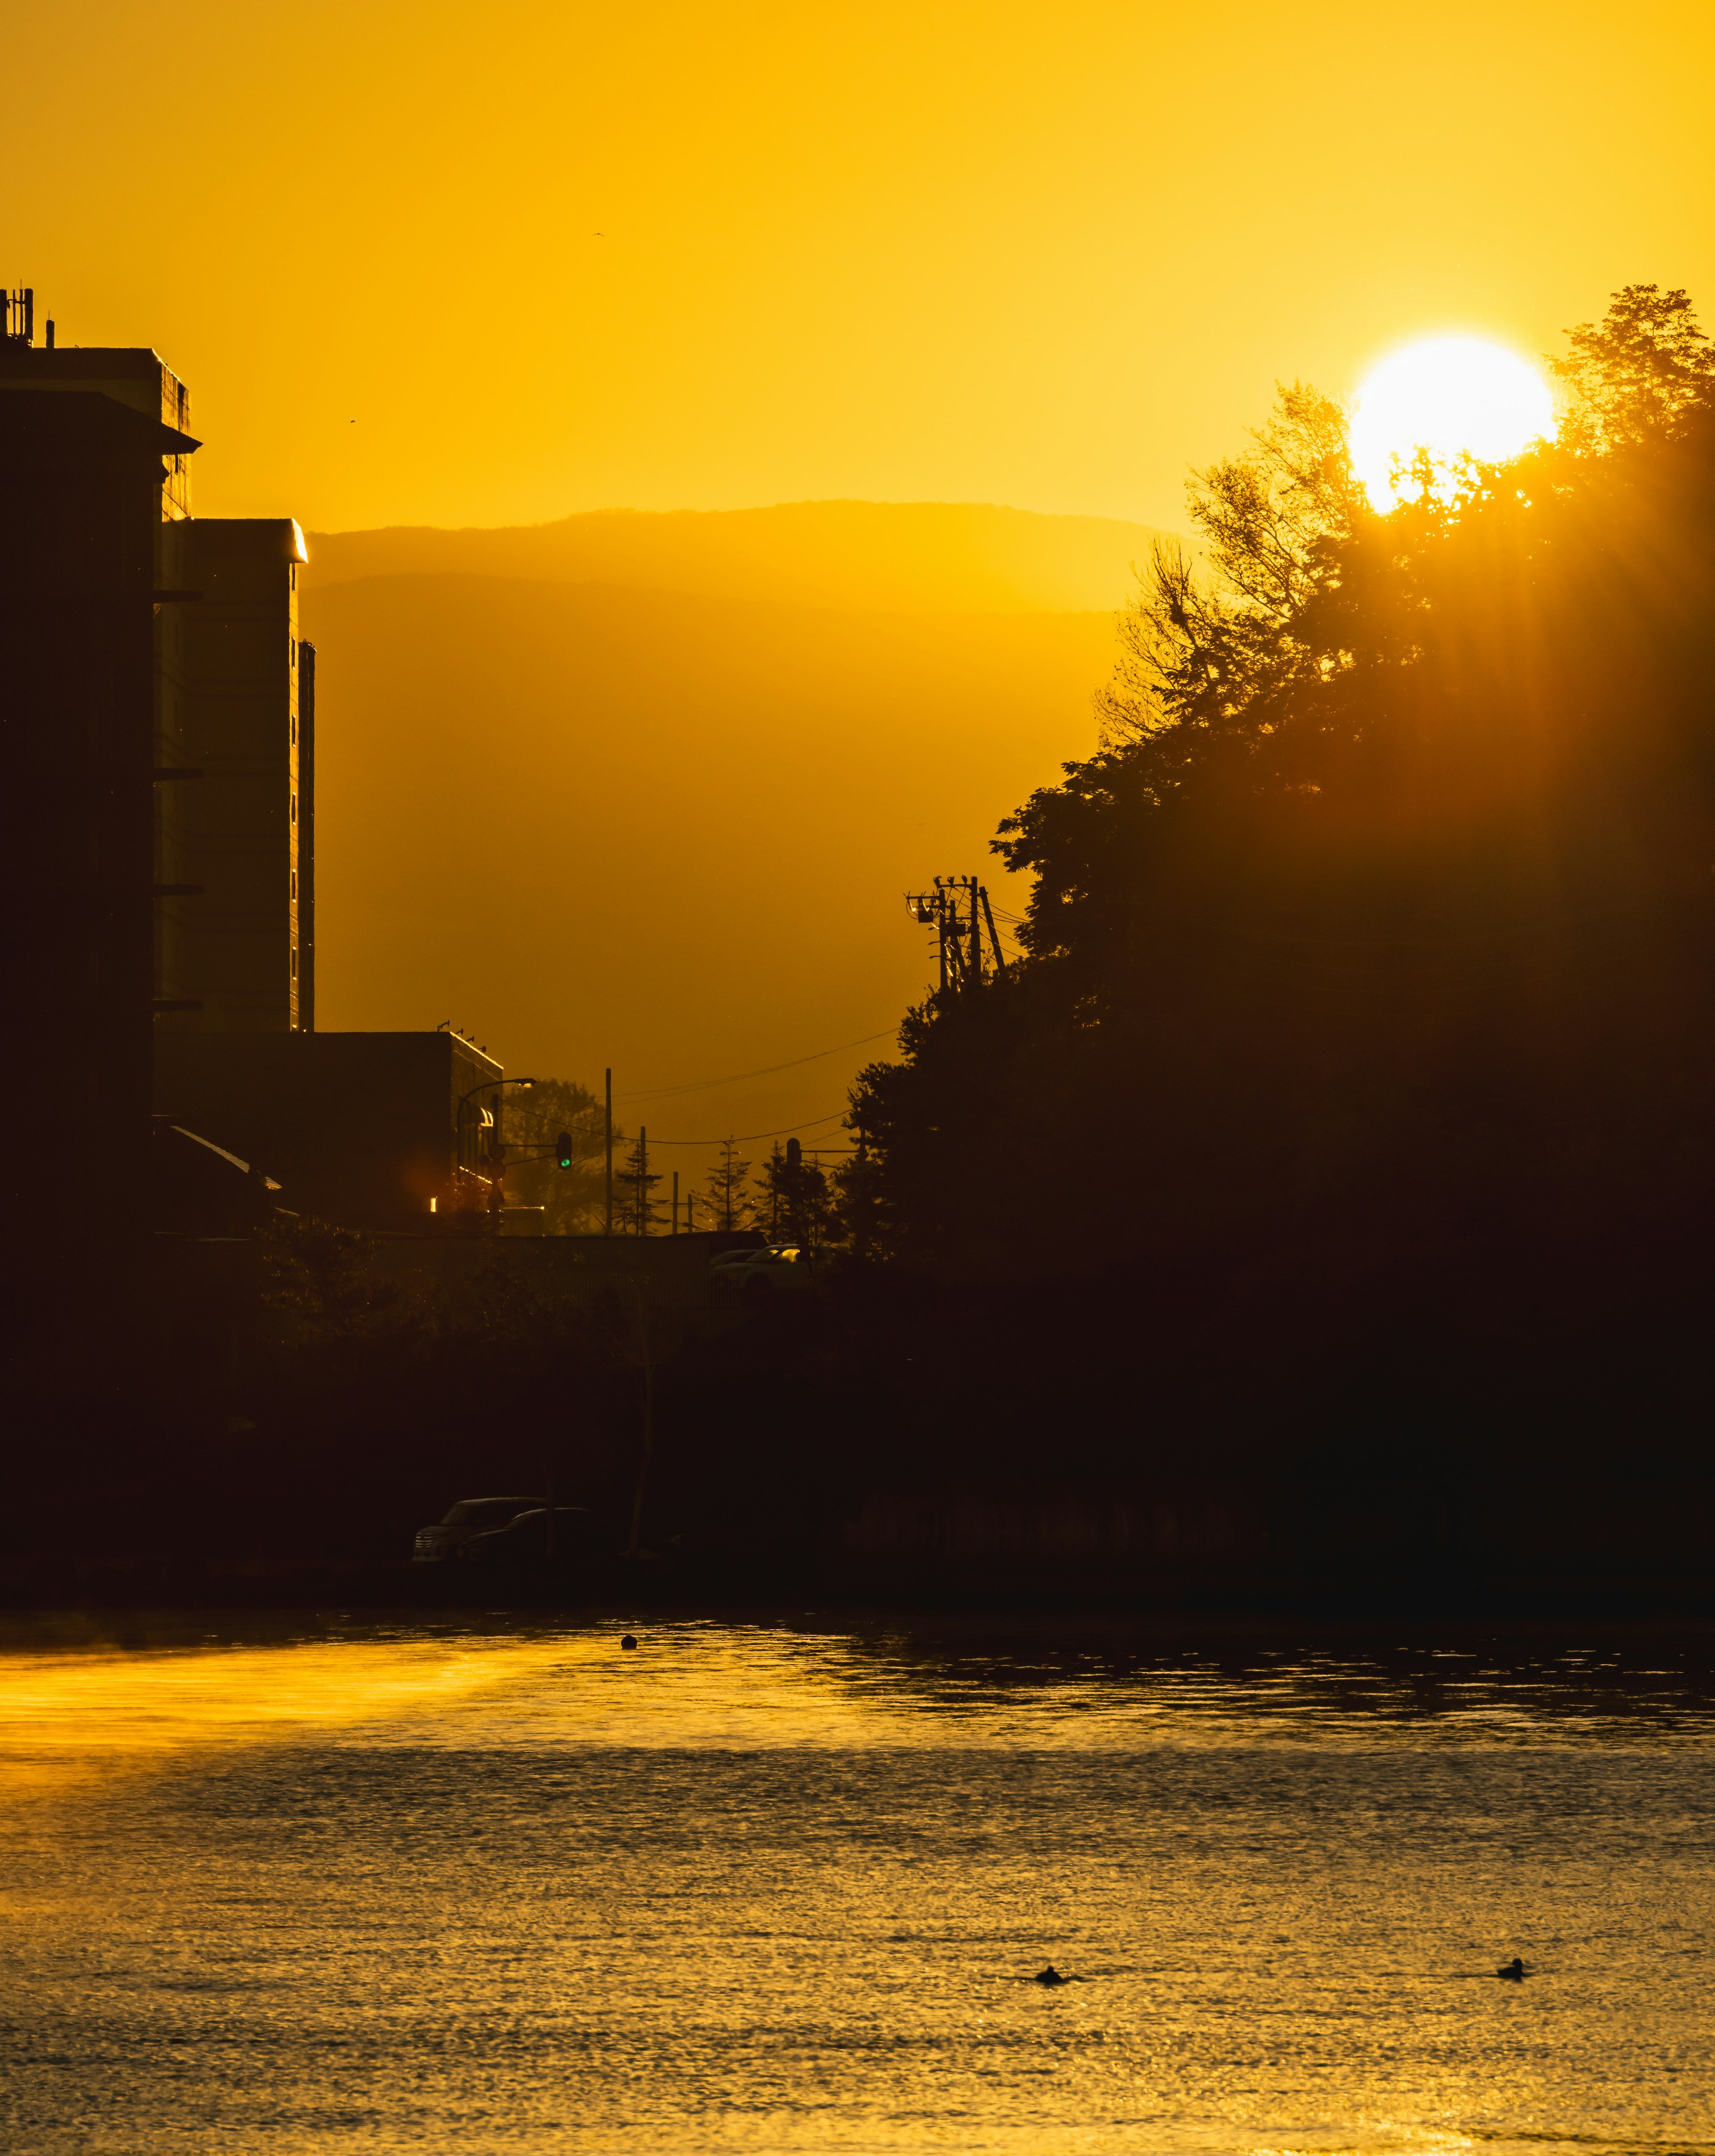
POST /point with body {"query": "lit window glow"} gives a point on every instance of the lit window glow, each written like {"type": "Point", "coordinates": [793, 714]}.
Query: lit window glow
{"type": "Point", "coordinates": [1454, 396]}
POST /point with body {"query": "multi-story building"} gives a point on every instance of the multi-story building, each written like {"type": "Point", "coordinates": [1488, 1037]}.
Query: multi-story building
{"type": "Point", "coordinates": [131, 375]}
{"type": "Point", "coordinates": [231, 720]}
{"type": "Point", "coordinates": [234, 845]}
{"type": "Point", "coordinates": [87, 481]}
{"type": "Point", "coordinates": [157, 715]}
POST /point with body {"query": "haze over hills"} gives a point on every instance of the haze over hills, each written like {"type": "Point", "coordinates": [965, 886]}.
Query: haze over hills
{"type": "Point", "coordinates": [919, 556]}
{"type": "Point", "coordinates": [669, 829]}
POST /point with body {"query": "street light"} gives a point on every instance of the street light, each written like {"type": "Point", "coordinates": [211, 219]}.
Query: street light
{"type": "Point", "coordinates": [487, 1086]}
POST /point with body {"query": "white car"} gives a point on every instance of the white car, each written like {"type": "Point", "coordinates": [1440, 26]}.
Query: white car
{"type": "Point", "coordinates": [752, 1276]}
{"type": "Point", "coordinates": [471, 1515]}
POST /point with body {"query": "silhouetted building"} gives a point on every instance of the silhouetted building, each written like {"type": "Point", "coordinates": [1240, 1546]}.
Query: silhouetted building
{"type": "Point", "coordinates": [306, 838]}
{"type": "Point", "coordinates": [229, 721]}
{"type": "Point", "coordinates": [86, 480]}
{"type": "Point", "coordinates": [131, 375]}
{"type": "Point", "coordinates": [233, 834]}
{"type": "Point", "coordinates": [382, 1131]}
{"type": "Point", "coordinates": [158, 852]}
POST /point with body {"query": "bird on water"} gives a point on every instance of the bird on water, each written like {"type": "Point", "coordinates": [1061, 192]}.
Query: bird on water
{"type": "Point", "coordinates": [1514, 1973]}
{"type": "Point", "coordinates": [1050, 1975]}
{"type": "Point", "coordinates": [628, 1641]}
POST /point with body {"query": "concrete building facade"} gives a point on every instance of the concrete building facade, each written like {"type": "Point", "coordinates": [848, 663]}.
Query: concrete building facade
{"type": "Point", "coordinates": [233, 834]}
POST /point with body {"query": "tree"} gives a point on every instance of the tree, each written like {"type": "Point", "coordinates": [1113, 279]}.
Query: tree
{"type": "Point", "coordinates": [573, 1199]}
{"type": "Point", "coordinates": [636, 1211]}
{"type": "Point", "coordinates": [794, 1201]}
{"type": "Point", "coordinates": [1326, 909]}
{"type": "Point", "coordinates": [728, 1199]}
{"type": "Point", "coordinates": [1643, 371]}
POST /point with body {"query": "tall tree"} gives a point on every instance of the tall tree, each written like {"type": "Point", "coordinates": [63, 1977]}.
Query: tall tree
{"type": "Point", "coordinates": [636, 1209]}
{"type": "Point", "coordinates": [794, 1201]}
{"type": "Point", "coordinates": [728, 1198]}
{"type": "Point", "coordinates": [1327, 909]}
{"type": "Point", "coordinates": [572, 1198]}
{"type": "Point", "coordinates": [1643, 371]}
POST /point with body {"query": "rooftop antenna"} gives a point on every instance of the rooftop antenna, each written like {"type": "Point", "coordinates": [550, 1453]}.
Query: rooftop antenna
{"type": "Point", "coordinates": [21, 315]}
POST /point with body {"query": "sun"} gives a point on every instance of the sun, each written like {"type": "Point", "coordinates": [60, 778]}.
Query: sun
{"type": "Point", "coordinates": [1455, 397]}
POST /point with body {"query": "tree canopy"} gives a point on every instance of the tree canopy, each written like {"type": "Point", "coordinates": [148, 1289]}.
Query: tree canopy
{"type": "Point", "coordinates": [1382, 920]}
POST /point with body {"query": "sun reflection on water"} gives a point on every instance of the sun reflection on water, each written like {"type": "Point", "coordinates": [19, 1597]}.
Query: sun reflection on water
{"type": "Point", "coordinates": [760, 1889]}
{"type": "Point", "coordinates": [706, 1685]}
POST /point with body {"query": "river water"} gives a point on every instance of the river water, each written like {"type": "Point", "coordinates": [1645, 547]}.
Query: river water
{"type": "Point", "coordinates": [779, 1887]}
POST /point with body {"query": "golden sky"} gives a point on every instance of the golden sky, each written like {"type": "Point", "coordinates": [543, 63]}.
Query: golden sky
{"type": "Point", "coordinates": [1041, 255]}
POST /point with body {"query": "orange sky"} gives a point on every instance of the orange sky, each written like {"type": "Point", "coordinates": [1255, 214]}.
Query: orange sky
{"type": "Point", "coordinates": [1043, 256]}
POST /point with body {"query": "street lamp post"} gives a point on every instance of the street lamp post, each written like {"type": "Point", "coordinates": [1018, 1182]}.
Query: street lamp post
{"type": "Point", "coordinates": [488, 1085]}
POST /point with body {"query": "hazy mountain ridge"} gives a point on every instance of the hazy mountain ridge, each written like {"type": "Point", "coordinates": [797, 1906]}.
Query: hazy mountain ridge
{"type": "Point", "coordinates": [664, 830]}
{"type": "Point", "coordinates": [930, 557]}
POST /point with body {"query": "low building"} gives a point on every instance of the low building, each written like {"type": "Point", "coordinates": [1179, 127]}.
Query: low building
{"type": "Point", "coordinates": [392, 1132]}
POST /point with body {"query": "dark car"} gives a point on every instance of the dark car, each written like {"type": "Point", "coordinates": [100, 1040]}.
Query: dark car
{"type": "Point", "coordinates": [470, 1517]}
{"type": "Point", "coordinates": [528, 1539]}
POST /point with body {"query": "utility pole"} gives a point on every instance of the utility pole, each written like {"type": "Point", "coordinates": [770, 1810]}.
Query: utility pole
{"type": "Point", "coordinates": [642, 1179]}
{"type": "Point", "coordinates": [675, 1201]}
{"type": "Point", "coordinates": [994, 940]}
{"type": "Point", "coordinates": [956, 909]}
{"type": "Point", "coordinates": [861, 1222]}
{"type": "Point", "coordinates": [608, 1223]}
{"type": "Point", "coordinates": [647, 1454]}
{"type": "Point", "coordinates": [928, 908]}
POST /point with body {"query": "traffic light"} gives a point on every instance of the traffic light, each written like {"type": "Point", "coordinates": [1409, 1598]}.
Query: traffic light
{"type": "Point", "coordinates": [562, 1149]}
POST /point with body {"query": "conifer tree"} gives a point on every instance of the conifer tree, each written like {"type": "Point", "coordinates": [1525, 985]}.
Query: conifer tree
{"type": "Point", "coordinates": [728, 1199]}
{"type": "Point", "coordinates": [636, 1210]}
{"type": "Point", "coordinates": [794, 1203]}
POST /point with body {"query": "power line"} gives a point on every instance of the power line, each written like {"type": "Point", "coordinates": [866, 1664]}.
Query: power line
{"type": "Point", "coordinates": [702, 1085]}
{"type": "Point", "coordinates": [750, 1136]}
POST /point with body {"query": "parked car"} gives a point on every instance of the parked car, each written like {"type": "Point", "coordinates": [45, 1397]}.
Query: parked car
{"type": "Point", "coordinates": [470, 1517]}
{"type": "Point", "coordinates": [752, 1277]}
{"type": "Point", "coordinates": [527, 1539]}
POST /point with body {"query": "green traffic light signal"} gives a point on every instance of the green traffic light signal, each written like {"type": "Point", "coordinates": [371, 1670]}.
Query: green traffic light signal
{"type": "Point", "coordinates": [562, 1149]}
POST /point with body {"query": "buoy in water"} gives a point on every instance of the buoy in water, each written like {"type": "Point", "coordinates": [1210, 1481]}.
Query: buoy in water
{"type": "Point", "coordinates": [628, 1641]}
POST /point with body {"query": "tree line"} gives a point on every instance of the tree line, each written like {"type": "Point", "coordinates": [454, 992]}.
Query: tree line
{"type": "Point", "coordinates": [783, 1195]}
{"type": "Point", "coordinates": [1372, 950]}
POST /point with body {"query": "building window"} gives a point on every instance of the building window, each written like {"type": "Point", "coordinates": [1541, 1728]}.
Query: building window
{"type": "Point", "coordinates": [294, 808]}
{"type": "Point", "coordinates": [295, 725]}
{"type": "Point", "coordinates": [294, 883]}
{"type": "Point", "coordinates": [294, 962]}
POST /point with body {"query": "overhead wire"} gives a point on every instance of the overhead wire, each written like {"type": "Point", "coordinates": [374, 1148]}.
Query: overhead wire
{"type": "Point", "coordinates": [749, 1137]}
{"type": "Point", "coordinates": [767, 1070]}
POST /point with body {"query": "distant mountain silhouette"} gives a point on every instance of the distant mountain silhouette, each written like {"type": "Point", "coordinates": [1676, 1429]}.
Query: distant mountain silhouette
{"type": "Point", "coordinates": [665, 829]}
{"type": "Point", "coordinates": [919, 556]}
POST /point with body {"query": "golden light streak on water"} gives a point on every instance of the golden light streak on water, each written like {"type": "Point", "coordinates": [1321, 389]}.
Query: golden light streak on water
{"type": "Point", "coordinates": [61, 1715]}
{"type": "Point", "coordinates": [697, 1685]}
